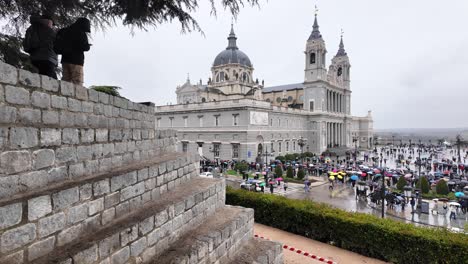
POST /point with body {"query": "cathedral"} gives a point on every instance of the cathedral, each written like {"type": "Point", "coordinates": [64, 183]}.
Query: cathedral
{"type": "Point", "coordinates": [234, 117]}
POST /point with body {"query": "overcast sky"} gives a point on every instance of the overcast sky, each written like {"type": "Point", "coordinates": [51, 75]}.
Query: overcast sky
{"type": "Point", "coordinates": [409, 58]}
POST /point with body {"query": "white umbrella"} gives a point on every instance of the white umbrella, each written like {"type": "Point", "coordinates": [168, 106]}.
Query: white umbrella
{"type": "Point", "coordinates": [454, 204]}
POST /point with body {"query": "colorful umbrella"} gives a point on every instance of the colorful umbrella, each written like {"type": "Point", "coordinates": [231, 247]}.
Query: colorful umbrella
{"type": "Point", "coordinates": [342, 173]}
{"type": "Point", "coordinates": [331, 178]}
{"type": "Point", "coordinates": [354, 177]}
{"type": "Point", "coordinates": [279, 179]}
{"type": "Point", "coordinates": [340, 177]}
{"type": "Point", "coordinates": [376, 170]}
{"type": "Point", "coordinates": [363, 174]}
{"type": "Point", "coordinates": [335, 170]}
{"type": "Point", "coordinates": [261, 184]}
{"type": "Point", "coordinates": [459, 194]}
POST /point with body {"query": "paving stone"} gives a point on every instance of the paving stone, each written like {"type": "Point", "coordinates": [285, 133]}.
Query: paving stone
{"type": "Point", "coordinates": [43, 158]}
{"type": "Point", "coordinates": [41, 248]}
{"type": "Point", "coordinates": [17, 95]}
{"type": "Point", "coordinates": [39, 207]}
{"type": "Point", "coordinates": [15, 161]}
{"type": "Point", "coordinates": [10, 215]}
{"type": "Point", "coordinates": [17, 237]}
{"type": "Point", "coordinates": [51, 224]}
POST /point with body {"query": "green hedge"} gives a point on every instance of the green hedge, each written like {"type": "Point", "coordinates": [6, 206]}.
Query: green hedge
{"type": "Point", "coordinates": [365, 234]}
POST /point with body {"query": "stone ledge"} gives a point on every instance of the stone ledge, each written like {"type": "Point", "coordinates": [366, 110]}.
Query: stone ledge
{"type": "Point", "coordinates": [153, 225]}
{"type": "Point", "coordinates": [257, 251]}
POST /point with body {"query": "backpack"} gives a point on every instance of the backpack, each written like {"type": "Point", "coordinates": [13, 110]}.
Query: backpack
{"type": "Point", "coordinates": [31, 40]}
{"type": "Point", "coordinates": [60, 44]}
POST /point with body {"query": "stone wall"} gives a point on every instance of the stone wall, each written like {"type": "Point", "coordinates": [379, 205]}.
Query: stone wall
{"type": "Point", "coordinates": [52, 131]}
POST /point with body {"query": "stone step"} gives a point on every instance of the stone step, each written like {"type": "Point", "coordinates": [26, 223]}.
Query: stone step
{"type": "Point", "coordinates": [257, 251]}
{"type": "Point", "coordinates": [151, 228]}
{"type": "Point", "coordinates": [213, 240]}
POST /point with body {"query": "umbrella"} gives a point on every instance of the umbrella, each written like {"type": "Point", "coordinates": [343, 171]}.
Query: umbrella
{"type": "Point", "coordinates": [271, 182]}
{"type": "Point", "coordinates": [396, 175]}
{"type": "Point", "coordinates": [377, 175]}
{"type": "Point", "coordinates": [334, 174]}
{"type": "Point", "coordinates": [446, 172]}
{"type": "Point", "coordinates": [407, 176]}
{"type": "Point", "coordinates": [342, 173]}
{"type": "Point", "coordinates": [376, 170]}
{"type": "Point", "coordinates": [459, 194]}
{"type": "Point", "coordinates": [335, 170]}
{"type": "Point", "coordinates": [331, 178]}
{"type": "Point", "coordinates": [340, 177]}
{"type": "Point", "coordinates": [454, 204]}
{"type": "Point", "coordinates": [279, 179]}
{"type": "Point", "coordinates": [354, 177]}
{"type": "Point", "coordinates": [363, 174]}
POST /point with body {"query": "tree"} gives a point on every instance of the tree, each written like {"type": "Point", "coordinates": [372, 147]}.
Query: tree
{"type": "Point", "coordinates": [442, 188]}
{"type": "Point", "coordinates": [241, 167]}
{"type": "Point", "coordinates": [289, 157]}
{"type": "Point", "coordinates": [425, 185]}
{"type": "Point", "coordinates": [300, 174]}
{"type": "Point", "coordinates": [140, 14]}
{"type": "Point", "coordinates": [401, 183]}
{"type": "Point", "coordinates": [278, 172]}
{"type": "Point", "coordinates": [112, 90]}
{"type": "Point", "coordinates": [281, 158]}
{"type": "Point", "coordinates": [289, 172]}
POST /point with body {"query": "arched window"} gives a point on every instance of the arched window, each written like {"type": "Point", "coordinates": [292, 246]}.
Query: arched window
{"type": "Point", "coordinates": [312, 58]}
{"type": "Point", "coordinates": [221, 76]}
{"type": "Point", "coordinates": [340, 71]}
{"type": "Point", "coordinates": [245, 77]}
{"type": "Point", "coordinates": [278, 99]}
{"type": "Point", "coordinates": [268, 99]}
{"type": "Point", "coordinates": [203, 100]}
{"type": "Point", "coordinates": [290, 98]}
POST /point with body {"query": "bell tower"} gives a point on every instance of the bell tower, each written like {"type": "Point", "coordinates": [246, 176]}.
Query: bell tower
{"type": "Point", "coordinates": [315, 55]}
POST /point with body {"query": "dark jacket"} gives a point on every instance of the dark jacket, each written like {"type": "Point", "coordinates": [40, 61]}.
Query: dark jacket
{"type": "Point", "coordinates": [77, 42]}
{"type": "Point", "coordinates": [39, 41]}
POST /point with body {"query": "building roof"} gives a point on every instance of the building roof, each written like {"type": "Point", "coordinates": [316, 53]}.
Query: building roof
{"type": "Point", "coordinates": [341, 50]}
{"type": "Point", "coordinates": [283, 87]}
{"type": "Point", "coordinates": [315, 30]}
{"type": "Point", "coordinates": [232, 54]}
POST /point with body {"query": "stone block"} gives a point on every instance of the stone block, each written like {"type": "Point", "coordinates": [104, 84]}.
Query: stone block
{"type": "Point", "coordinates": [108, 245]}
{"type": "Point", "coordinates": [86, 192]}
{"type": "Point", "coordinates": [95, 206]}
{"type": "Point", "coordinates": [143, 174]}
{"type": "Point", "coordinates": [30, 116]}
{"type": "Point", "coordinates": [111, 199]}
{"type": "Point", "coordinates": [93, 95]}
{"type": "Point", "coordinates": [8, 73]}
{"type": "Point", "coordinates": [29, 79]}
{"type": "Point", "coordinates": [132, 191]}
{"type": "Point", "coordinates": [69, 235]}
{"type": "Point", "coordinates": [108, 215]}
{"type": "Point", "coordinates": [101, 187]}
{"type": "Point", "coordinates": [87, 256]}
{"type": "Point", "coordinates": [108, 150]}
{"type": "Point", "coordinates": [137, 247]}
{"type": "Point", "coordinates": [39, 207]}
{"type": "Point", "coordinates": [41, 248]}
{"type": "Point", "coordinates": [102, 135]}
{"type": "Point", "coordinates": [74, 105]}
{"type": "Point", "coordinates": [50, 117]}
{"type": "Point", "coordinates": [51, 137]}
{"type": "Point", "coordinates": [66, 154]}
{"type": "Point", "coordinates": [81, 120]}
{"type": "Point", "coordinates": [122, 208]}
{"type": "Point", "coordinates": [65, 198]}
{"type": "Point", "coordinates": [67, 88]}
{"type": "Point", "coordinates": [17, 237]}
{"type": "Point", "coordinates": [10, 215]}
{"type": "Point", "coordinates": [128, 235]}
{"type": "Point", "coordinates": [121, 256]}
{"type": "Point", "coordinates": [59, 102]}
{"type": "Point", "coordinates": [77, 170]}
{"type": "Point", "coordinates": [161, 218]}
{"type": "Point", "coordinates": [67, 119]}
{"type": "Point", "coordinates": [81, 92]}
{"type": "Point", "coordinates": [70, 136]}
{"type": "Point", "coordinates": [93, 223]}
{"type": "Point", "coordinates": [17, 95]}
{"type": "Point", "coordinates": [88, 107]}
{"type": "Point", "coordinates": [103, 98]}
{"type": "Point", "coordinates": [51, 224]}
{"type": "Point", "coordinates": [8, 114]}
{"type": "Point", "coordinates": [43, 158]}
{"type": "Point", "coordinates": [41, 100]}
{"type": "Point", "coordinates": [15, 258]}
{"type": "Point", "coordinates": [146, 225]}
{"type": "Point", "coordinates": [84, 152]}
{"type": "Point", "coordinates": [77, 213]}
{"type": "Point", "coordinates": [33, 180]}
{"type": "Point", "coordinates": [49, 84]}
{"type": "Point", "coordinates": [118, 182]}
{"type": "Point", "coordinates": [57, 174]}
{"type": "Point", "coordinates": [87, 135]}
{"type": "Point", "coordinates": [23, 137]}
{"type": "Point", "coordinates": [14, 161]}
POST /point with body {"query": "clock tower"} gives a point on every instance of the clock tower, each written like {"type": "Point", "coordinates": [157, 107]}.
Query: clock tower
{"type": "Point", "coordinates": [315, 55]}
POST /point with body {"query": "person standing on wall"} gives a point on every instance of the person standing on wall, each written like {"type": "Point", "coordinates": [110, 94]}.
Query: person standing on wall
{"type": "Point", "coordinates": [39, 43]}
{"type": "Point", "coordinates": [72, 42]}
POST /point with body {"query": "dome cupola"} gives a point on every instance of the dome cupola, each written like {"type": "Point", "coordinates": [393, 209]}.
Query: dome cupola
{"type": "Point", "coordinates": [232, 54]}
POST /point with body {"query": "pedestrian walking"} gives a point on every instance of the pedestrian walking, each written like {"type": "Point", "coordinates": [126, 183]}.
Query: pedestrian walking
{"type": "Point", "coordinates": [72, 42]}
{"type": "Point", "coordinates": [39, 43]}
{"type": "Point", "coordinates": [403, 204]}
{"type": "Point", "coordinates": [413, 203]}
{"type": "Point", "coordinates": [271, 188]}
{"type": "Point", "coordinates": [453, 211]}
{"type": "Point", "coordinates": [285, 186]}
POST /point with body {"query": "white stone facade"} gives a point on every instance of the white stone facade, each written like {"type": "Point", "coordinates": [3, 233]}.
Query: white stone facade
{"type": "Point", "coordinates": [228, 118]}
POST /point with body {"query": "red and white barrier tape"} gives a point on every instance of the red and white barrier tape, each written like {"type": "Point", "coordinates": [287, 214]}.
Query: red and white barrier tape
{"type": "Point", "coordinates": [302, 252]}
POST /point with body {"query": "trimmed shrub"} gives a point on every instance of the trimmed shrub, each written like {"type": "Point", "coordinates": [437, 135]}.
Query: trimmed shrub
{"type": "Point", "coordinates": [289, 172]}
{"type": "Point", "coordinates": [278, 172]}
{"type": "Point", "coordinates": [364, 234]}
{"type": "Point", "coordinates": [300, 174]}
{"type": "Point", "coordinates": [280, 158]}
{"type": "Point", "coordinates": [442, 188]}
{"type": "Point", "coordinates": [241, 167]}
{"type": "Point", "coordinates": [425, 187]}
{"type": "Point", "coordinates": [401, 183]}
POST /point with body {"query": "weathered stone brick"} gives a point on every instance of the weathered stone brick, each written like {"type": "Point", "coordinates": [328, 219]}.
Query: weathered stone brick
{"type": "Point", "coordinates": [50, 117]}
{"type": "Point", "coordinates": [128, 235]}
{"type": "Point", "coordinates": [77, 213]}
{"type": "Point", "coordinates": [17, 237]}
{"type": "Point", "coordinates": [108, 215]}
{"type": "Point", "coordinates": [81, 92]}
{"type": "Point", "coordinates": [10, 215]}
{"type": "Point", "coordinates": [88, 107]}
{"type": "Point", "coordinates": [122, 208]}
{"type": "Point", "coordinates": [132, 191]}
{"type": "Point", "coordinates": [86, 192]}
{"type": "Point", "coordinates": [43, 158]}
{"type": "Point", "coordinates": [65, 198]}
{"type": "Point", "coordinates": [39, 207]}
{"type": "Point", "coordinates": [29, 79]}
{"type": "Point", "coordinates": [143, 174]}
{"type": "Point", "coordinates": [161, 218]}
{"type": "Point", "coordinates": [81, 120]}
{"type": "Point", "coordinates": [93, 223]}
{"type": "Point", "coordinates": [33, 180]}
{"type": "Point", "coordinates": [103, 98]}
{"type": "Point", "coordinates": [59, 102]}
{"type": "Point", "coordinates": [87, 256]}
{"type": "Point", "coordinates": [30, 116]}
{"type": "Point", "coordinates": [96, 206]}
{"type": "Point", "coordinates": [137, 247]}
{"type": "Point", "coordinates": [108, 245]}
{"type": "Point", "coordinates": [102, 135]}
{"type": "Point", "coordinates": [84, 152]}
{"type": "Point", "coordinates": [41, 248]}
{"type": "Point", "coordinates": [70, 136]}
{"type": "Point", "coordinates": [67, 88]}
{"type": "Point", "coordinates": [121, 256]}
{"type": "Point", "coordinates": [49, 84]}
{"type": "Point", "coordinates": [66, 154]}
{"type": "Point", "coordinates": [67, 119]}
{"type": "Point", "coordinates": [118, 182]}
{"type": "Point", "coordinates": [8, 73]}
{"type": "Point", "coordinates": [51, 224]}
{"type": "Point", "coordinates": [7, 114]}
{"type": "Point", "coordinates": [69, 235]}
{"type": "Point", "coordinates": [23, 137]}
{"type": "Point", "coordinates": [41, 100]}
{"type": "Point", "coordinates": [57, 174]}
{"type": "Point", "coordinates": [51, 137]}
{"type": "Point", "coordinates": [15, 258]}
{"type": "Point", "coordinates": [101, 187]}
{"type": "Point", "coordinates": [74, 105]}
{"type": "Point", "coordinates": [93, 95]}
{"type": "Point", "coordinates": [111, 199]}
{"type": "Point", "coordinates": [108, 151]}
{"type": "Point", "coordinates": [17, 95]}
{"type": "Point", "coordinates": [14, 161]}
{"type": "Point", "coordinates": [146, 225]}
{"type": "Point", "coordinates": [87, 135]}
{"type": "Point", "coordinates": [77, 170]}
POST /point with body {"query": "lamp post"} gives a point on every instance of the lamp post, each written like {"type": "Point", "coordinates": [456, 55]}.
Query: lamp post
{"type": "Point", "coordinates": [383, 192]}
{"type": "Point", "coordinates": [301, 143]}
{"type": "Point", "coordinates": [355, 139]}
{"type": "Point", "coordinates": [419, 177]}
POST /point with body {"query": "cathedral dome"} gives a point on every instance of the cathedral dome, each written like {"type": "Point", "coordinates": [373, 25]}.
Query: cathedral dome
{"type": "Point", "coordinates": [232, 54]}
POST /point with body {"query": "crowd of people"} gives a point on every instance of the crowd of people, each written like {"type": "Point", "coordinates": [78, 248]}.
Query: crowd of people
{"type": "Point", "coordinates": [44, 43]}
